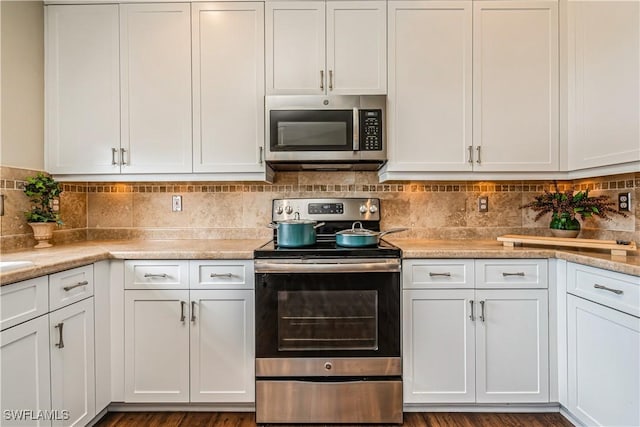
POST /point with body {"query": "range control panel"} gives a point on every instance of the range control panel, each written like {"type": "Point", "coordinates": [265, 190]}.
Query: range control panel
{"type": "Point", "coordinates": [370, 130]}
{"type": "Point", "coordinates": [338, 209]}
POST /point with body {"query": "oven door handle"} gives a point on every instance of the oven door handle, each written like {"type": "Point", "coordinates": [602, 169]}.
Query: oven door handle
{"type": "Point", "coordinates": [364, 266]}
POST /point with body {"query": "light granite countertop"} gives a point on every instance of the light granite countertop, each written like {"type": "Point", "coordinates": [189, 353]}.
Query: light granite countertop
{"type": "Point", "coordinates": [57, 258]}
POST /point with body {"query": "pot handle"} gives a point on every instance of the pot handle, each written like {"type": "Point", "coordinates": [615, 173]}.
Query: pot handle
{"type": "Point", "coordinates": [272, 225]}
{"type": "Point", "coordinates": [393, 230]}
{"type": "Point", "coordinates": [320, 224]}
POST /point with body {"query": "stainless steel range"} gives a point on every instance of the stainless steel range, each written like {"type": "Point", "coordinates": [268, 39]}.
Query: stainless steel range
{"type": "Point", "coordinates": [328, 322]}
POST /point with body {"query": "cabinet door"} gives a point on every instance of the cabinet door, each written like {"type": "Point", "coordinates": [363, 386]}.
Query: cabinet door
{"type": "Point", "coordinates": [515, 85]}
{"type": "Point", "coordinates": [512, 348]}
{"type": "Point", "coordinates": [155, 51]}
{"type": "Point", "coordinates": [429, 102]}
{"type": "Point", "coordinates": [439, 346]}
{"type": "Point", "coordinates": [24, 359]}
{"type": "Point", "coordinates": [222, 346]}
{"type": "Point", "coordinates": [82, 111]}
{"type": "Point", "coordinates": [72, 362]}
{"type": "Point", "coordinates": [357, 47]}
{"type": "Point", "coordinates": [228, 101]}
{"type": "Point", "coordinates": [295, 47]}
{"type": "Point", "coordinates": [603, 69]}
{"type": "Point", "coordinates": [604, 364]}
{"type": "Point", "coordinates": [156, 346]}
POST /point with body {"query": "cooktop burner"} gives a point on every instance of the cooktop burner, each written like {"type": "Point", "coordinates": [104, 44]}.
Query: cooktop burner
{"type": "Point", "coordinates": [328, 249]}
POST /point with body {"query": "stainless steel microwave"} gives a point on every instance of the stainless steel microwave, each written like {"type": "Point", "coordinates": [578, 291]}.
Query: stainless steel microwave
{"type": "Point", "coordinates": [325, 132]}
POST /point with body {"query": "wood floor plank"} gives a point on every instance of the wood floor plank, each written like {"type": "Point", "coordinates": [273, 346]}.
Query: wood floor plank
{"type": "Point", "coordinates": [411, 419]}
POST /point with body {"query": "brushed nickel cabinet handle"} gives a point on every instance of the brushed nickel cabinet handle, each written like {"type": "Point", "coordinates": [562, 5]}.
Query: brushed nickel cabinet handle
{"type": "Point", "coordinates": [520, 273]}
{"type": "Point", "coordinates": [68, 288]}
{"type": "Point", "coordinates": [615, 291]}
{"type": "Point", "coordinates": [432, 274]}
{"type": "Point", "coordinates": [193, 311]}
{"type": "Point", "coordinates": [472, 315]}
{"type": "Point", "coordinates": [60, 343]}
{"type": "Point", "coordinates": [221, 275]}
{"type": "Point", "coordinates": [321, 79]}
{"type": "Point", "coordinates": [182, 316]}
{"type": "Point", "coordinates": [113, 156]}
{"type": "Point", "coordinates": [261, 155]}
{"type": "Point", "coordinates": [470, 148]}
{"type": "Point", "coordinates": [330, 79]}
{"type": "Point", "coordinates": [478, 150]}
{"type": "Point", "coordinates": [152, 275]}
{"type": "Point", "coordinates": [482, 310]}
{"type": "Point", "coordinates": [122, 160]}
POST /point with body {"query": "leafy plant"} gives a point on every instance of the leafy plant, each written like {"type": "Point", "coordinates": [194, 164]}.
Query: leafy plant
{"type": "Point", "coordinates": [42, 190]}
{"type": "Point", "coordinates": [572, 203]}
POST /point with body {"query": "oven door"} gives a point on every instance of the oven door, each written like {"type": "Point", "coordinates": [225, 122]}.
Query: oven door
{"type": "Point", "coordinates": [314, 309]}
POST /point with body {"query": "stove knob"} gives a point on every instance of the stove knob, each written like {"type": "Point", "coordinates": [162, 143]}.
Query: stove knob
{"type": "Point", "coordinates": [288, 210]}
{"type": "Point", "coordinates": [363, 209]}
{"type": "Point", "coordinates": [373, 209]}
{"type": "Point", "coordinates": [279, 210]}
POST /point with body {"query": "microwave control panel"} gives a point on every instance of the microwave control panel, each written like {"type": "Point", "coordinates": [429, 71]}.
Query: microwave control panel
{"type": "Point", "coordinates": [370, 130]}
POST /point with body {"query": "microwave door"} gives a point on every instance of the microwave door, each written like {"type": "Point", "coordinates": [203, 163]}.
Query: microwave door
{"type": "Point", "coordinates": [312, 130]}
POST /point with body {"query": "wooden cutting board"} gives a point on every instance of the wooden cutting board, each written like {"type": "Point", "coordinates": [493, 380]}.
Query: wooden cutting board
{"type": "Point", "coordinates": [618, 249]}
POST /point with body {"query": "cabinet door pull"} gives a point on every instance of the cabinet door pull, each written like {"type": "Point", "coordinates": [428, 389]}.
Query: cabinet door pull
{"type": "Point", "coordinates": [60, 343]}
{"type": "Point", "coordinates": [182, 316]}
{"type": "Point", "coordinates": [221, 275]}
{"type": "Point", "coordinates": [482, 310]}
{"type": "Point", "coordinates": [615, 291]}
{"type": "Point", "coordinates": [193, 311]}
{"type": "Point", "coordinates": [472, 315]}
{"type": "Point", "coordinates": [446, 274]}
{"type": "Point", "coordinates": [478, 150]}
{"type": "Point", "coordinates": [152, 275]}
{"type": "Point", "coordinates": [113, 156]}
{"type": "Point", "coordinates": [321, 79]}
{"type": "Point", "coordinates": [122, 160]}
{"type": "Point", "coordinates": [470, 148]}
{"type": "Point", "coordinates": [261, 155]}
{"type": "Point", "coordinates": [330, 79]}
{"type": "Point", "coordinates": [520, 273]}
{"type": "Point", "coordinates": [68, 288]}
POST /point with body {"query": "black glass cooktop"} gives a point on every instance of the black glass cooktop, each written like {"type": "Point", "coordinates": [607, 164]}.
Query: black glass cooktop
{"type": "Point", "coordinates": [328, 249]}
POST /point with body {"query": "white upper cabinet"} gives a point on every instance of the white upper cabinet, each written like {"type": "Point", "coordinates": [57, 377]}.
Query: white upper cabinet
{"type": "Point", "coordinates": [228, 86]}
{"type": "Point", "coordinates": [82, 112]}
{"type": "Point", "coordinates": [429, 114]}
{"type": "Point", "coordinates": [603, 83]}
{"type": "Point", "coordinates": [155, 51]}
{"type": "Point", "coordinates": [318, 47]}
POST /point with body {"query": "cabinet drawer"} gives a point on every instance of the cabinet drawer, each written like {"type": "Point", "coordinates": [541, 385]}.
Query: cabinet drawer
{"type": "Point", "coordinates": [162, 274]}
{"type": "Point", "coordinates": [615, 290]}
{"type": "Point", "coordinates": [69, 286]}
{"type": "Point", "coordinates": [438, 273]}
{"type": "Point", "coordinates": [23, 301]}
{"type": "Point", "coordinates": [511, 273]}
{"type": "Point", "coordinates": [223, 274]}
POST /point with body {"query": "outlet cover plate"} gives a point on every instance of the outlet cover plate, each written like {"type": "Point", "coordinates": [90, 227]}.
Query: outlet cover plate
{"type": "Point", "coordinates": [176, 203]}
{"type": "Point", "coordinates": [624, 202]}
{"type": "Point", "coordinates": [483, 204]}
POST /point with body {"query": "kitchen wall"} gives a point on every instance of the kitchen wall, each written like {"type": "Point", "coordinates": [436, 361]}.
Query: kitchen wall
{"type": "Point", "coordinates": [22, 84]}
{"type": "Point", "coordinates": [435, 210]}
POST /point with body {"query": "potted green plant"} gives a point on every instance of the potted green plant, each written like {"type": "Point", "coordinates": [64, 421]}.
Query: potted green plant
{"type": "Point", "coordinates": [566, 206]}
{"type": "Point", "coordinates": [43, 216]}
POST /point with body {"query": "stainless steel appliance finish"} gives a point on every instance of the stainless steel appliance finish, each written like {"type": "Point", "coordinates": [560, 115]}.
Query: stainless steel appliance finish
{"type": "Point", "coordinates": [294, 401]}
{"type": "Point", "coordinates": [328, 322]}
{"type": "Point", "coordinates": [315, 132]}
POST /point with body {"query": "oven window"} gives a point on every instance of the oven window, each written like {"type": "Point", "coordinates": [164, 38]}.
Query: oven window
{"type": "Point", "coordinates": [328, 320]}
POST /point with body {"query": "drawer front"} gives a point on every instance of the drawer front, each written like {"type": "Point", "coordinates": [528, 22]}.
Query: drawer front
{"type": "Point", "coordinates": [511, 273]}
{"type": "Point", "coordinates": [23, 301]}
{"type": "Point", "coordinates": [438, 273]}
{"type": "Point", "coordinates": [69, 286]}
{"type": "Point", "coordinates": [615, 290]}
{"type": "Point", "coordinates": [222, 274]}
{"type": "Point", "coordinates": [152, 274]}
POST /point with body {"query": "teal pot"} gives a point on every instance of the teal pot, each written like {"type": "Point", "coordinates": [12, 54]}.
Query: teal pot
{"type": "Point", "coordinates": [296, 233]}
{"type": "Point", "coordinates": [562, 225]}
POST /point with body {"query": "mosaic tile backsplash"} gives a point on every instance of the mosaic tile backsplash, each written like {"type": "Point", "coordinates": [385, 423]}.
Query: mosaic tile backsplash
{"type": "Point", "coordinates": [435, 210]}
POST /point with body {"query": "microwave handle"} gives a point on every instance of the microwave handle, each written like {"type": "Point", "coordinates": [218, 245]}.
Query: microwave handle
{"type": "Point", "coordinates": [356, 129]}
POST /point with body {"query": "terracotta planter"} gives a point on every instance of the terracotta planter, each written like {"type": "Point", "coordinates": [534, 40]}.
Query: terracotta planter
{"type": "Point", "coordinates": [42, 232]}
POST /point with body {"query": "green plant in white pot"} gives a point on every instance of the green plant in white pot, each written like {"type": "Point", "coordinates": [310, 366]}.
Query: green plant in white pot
{"type": "Point", "coordinates": [43, 216]}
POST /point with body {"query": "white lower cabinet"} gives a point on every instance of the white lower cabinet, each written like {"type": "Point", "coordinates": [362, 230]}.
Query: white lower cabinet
{"type": "Point", "coordinates": [466, 345]}
{"type": "Point", "coordinates": [24, 363]}
{"type": "Point", "coordinates": [603, 364]}
{"type": "Point", "coordinates": [71, 332]}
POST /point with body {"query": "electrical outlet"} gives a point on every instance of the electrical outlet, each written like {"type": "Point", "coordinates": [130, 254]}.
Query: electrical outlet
{"type": "Point", "coordinates": [483, 204]}
{"type": "Point", "coordinates": [176, 204]}
{"type": "Point", "coordinates": [624, 202]}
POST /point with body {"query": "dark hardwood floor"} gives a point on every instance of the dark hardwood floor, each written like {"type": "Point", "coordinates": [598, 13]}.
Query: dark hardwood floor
{"type": "Point", "coordinates": [411, 419]}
